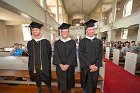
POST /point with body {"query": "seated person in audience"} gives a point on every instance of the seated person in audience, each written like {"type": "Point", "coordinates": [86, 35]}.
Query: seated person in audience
{"type": "Point", "coordinates": [107, 44]}
{"type": "Point", "coordinates": [126, 48]}
{"type": "Point", "coordinates": [118, 45]}
{"type": "Point", "coordinates": [137, 48]}
{"type": "Point", "coordinates": [21, 46]}
{"type": "Point", "coordinates": [16, 51]}
{"type": "Point", "coordinates": [25, 51]}
{"type": "Point", "coordinates": [113, 46]}
{"type": "Point", "coordinates": [122, 45]}
{"type": "Point", "coordinates": [132, 46]}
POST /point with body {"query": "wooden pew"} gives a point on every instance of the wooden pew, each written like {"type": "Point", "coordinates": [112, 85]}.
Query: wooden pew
{"type": "Point", "coordinates": [24, 73]}
{"type": "Point", "coordinates": [4, 53]}
{"type": "Point", "coordinates": [18, 67]}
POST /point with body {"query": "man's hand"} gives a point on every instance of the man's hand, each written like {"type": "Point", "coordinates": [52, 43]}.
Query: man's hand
{"type": "Point", "coordinates": [93, 68]}
{"type": "Point", "coordinates": [65, 67]}
{"type": "Point", "coordinates": [61, 66]}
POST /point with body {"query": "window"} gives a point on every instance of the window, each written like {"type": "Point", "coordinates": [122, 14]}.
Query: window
{"type": "Point", "coordinates": [52, 8]}
{"type": "Point", "coordinates": [124, 34]}
{"type": "Point", "coordinates": [26, 32]}
{"type": "Point", "coordinates": [128, 8]}
{"type": "Point", "coordinates": [40, 2]}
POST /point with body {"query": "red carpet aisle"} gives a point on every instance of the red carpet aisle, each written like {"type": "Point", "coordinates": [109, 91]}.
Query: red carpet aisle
{"type": "Point", "coordinates": [117, 80]}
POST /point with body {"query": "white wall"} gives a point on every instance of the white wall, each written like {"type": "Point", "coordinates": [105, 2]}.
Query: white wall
{"type": "Point", "coordinates": [15, 35]}
{"type": "Point", "coordinates": [3, 35]}
{"type": "Point", "coordinates": [29, 7]}
{"type": "Point", "coordinates": [138, 36]}
{"type": "Point", "coordinates": [77, 31]}
{"type": "Point", "coordinates": [46, 33]}
{"type": "Point", "coordinates": [132, 35]}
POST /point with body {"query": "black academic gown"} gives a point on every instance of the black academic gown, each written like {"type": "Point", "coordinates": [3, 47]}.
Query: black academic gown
{"type": "Point", "coordinates": [65, 53]}
{"type": "Point", "coordinates": [90, 52]}
{"type": "Point", "coordinates": [38, 51]}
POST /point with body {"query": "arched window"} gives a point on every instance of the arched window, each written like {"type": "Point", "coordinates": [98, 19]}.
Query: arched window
{"type": "Point", "coordinates": [127, 8]}
{"type": "Point", "coordinates": [124, 34]}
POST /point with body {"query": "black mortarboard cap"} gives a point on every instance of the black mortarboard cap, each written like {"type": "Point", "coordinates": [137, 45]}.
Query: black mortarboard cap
{"type": "Point", "coordinates": [35, 25]}
{"type": "Point", "coordinates": [64, 26]}
{"type": "Point", "coordinates": [90, 23]}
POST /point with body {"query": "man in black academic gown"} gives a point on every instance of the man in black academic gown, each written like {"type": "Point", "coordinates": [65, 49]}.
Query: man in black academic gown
{"type": "Point", "coordinates": [65, 60]}
{"type": "Point", "coordinates": [90, 56]}
{"type": "Point", "coordinates": [39, 65]}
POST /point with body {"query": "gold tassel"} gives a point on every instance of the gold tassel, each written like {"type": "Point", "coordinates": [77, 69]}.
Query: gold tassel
{"type": "Point", "coordinates": [41, 67]}
{"type": "Point", "coordinates": [34, 57]}
{"type": "Point", "coordinates": [34, 70]}
{"type": "Point", "coordinates": [40, 57]}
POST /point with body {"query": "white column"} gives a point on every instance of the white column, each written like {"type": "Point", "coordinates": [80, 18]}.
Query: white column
{"type": "Point", "coordinates": [99, 35]}
{"type": "Point", "coordinates": [43, 3]}
{"type": "Point", "coordinates": [138, 35]}
{"type": "Point", "coordinates": [100, 19]}
{"type": "Point", "coordinates": [57, 11]}
{"type": "Point", "coordinates": [111, 35]}
{"type": "Point", "coordinates": [114, 10]}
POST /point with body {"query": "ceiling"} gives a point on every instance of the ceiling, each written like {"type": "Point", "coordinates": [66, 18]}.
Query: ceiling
{"type": "Point", "coordinates": [12, 18]}
{"type": "Point", "coordinates": [74, 7]}
{"type": "Point", "coordinates": [106, 5]}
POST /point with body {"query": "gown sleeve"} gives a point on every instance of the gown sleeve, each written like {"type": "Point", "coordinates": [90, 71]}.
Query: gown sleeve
{"type": "Point", "coordinates": [99, 60]}
{"type": "Point", "coordinates": [49, 50]}
{"type": "Point", "coordinates": [56, 56]}
{"type": "Point", "coordinates": [84, 62]}
{"type": "Point", "coordinates": [73, 59]}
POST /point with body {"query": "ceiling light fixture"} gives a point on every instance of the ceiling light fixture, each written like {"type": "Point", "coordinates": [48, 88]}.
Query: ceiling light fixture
{"type": "Point", "coordinates": [82, 21]}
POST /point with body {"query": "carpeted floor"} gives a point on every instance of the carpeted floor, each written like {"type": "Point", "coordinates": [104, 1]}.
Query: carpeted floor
{"type": "Point", "coordinates": [118, 80]}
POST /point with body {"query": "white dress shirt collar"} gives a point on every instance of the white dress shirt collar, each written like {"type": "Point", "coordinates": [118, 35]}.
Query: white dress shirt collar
{"type": "Point", "coordinates": [91, 38]}
{"type": "Point", "coordinates": [39, 39]}
{"type": "Point", "coordinates": [65, 40]}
